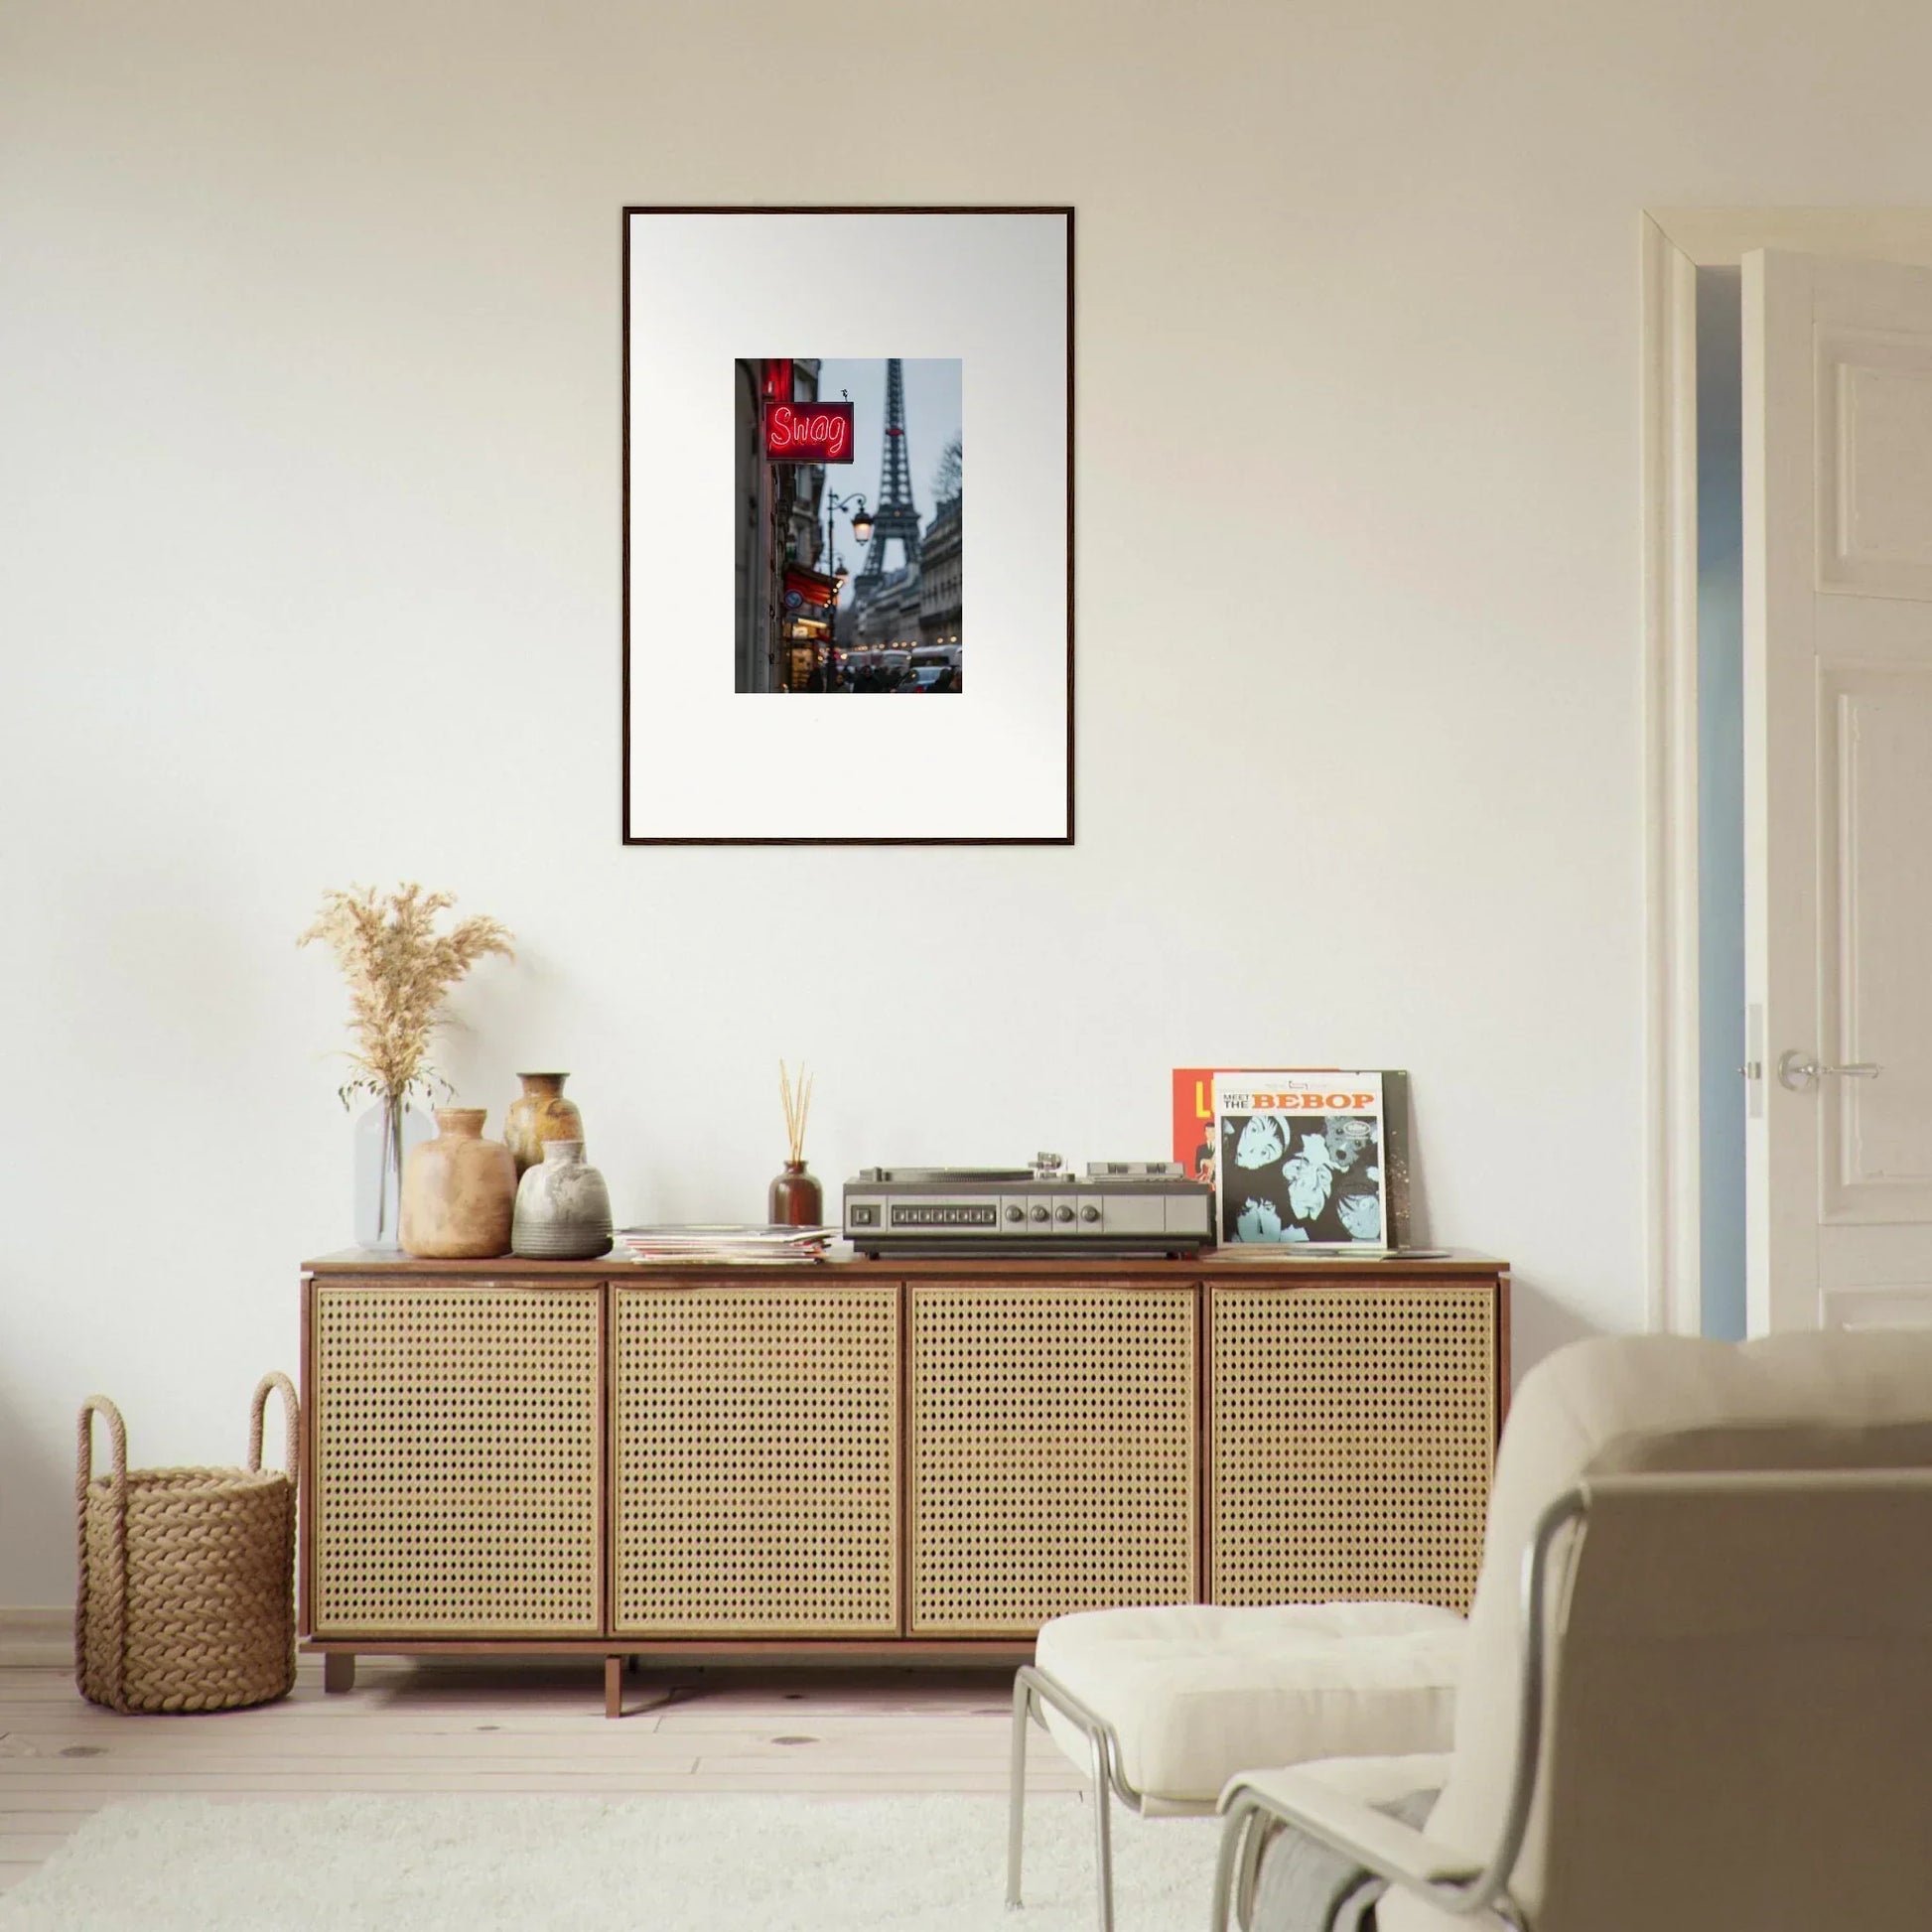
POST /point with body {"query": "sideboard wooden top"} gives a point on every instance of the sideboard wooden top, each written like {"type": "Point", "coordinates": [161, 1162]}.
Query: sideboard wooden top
{"type": "Point", "coordinates": [1222, 1264]}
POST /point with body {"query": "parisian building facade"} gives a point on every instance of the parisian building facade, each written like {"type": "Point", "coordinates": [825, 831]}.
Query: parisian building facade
{"type": "Point", "coordinates": [939, 576]}
{"type": "Point", "coordinates": [922, 602]}
{"type": "Point", "coordinates": [777, 522]}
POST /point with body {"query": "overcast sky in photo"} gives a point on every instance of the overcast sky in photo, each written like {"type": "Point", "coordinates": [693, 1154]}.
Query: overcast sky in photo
{"type": "Point", "coordinates": [932, 420]}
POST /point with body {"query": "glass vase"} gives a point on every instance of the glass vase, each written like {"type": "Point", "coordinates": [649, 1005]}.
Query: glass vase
{"type": "Point", "coordinates": [384, 1134]}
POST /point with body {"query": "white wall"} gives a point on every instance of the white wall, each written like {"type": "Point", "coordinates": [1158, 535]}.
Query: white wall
{"type": "Point", "coordinates": [309, 438]}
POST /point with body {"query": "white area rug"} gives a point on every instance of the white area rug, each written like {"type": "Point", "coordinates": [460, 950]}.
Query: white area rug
{"type": "Point", "coordinates": [581, 1865]}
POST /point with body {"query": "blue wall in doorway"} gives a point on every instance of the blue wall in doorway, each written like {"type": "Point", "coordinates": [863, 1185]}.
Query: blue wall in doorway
{"type": "Point", "coordinates": [1720, 799]}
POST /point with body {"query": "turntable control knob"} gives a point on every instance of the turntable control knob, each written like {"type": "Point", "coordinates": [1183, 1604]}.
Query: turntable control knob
{"type": "Point", "coordinates": [1062, 1213]}
{"type": "Point", "coordinates": [1015, 1212]}
{"type": "Point", "coordinates": [1089, 1212]}
{"type": "Point", "coordinates": [1040, 1214]}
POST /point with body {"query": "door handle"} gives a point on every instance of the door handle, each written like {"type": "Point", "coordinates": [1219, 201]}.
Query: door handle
{"type": "Point", "coordinates": [1800, 1071]}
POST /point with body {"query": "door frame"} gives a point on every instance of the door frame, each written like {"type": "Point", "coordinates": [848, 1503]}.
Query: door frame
{"type": "Point", "coordinates": [1675, 244]}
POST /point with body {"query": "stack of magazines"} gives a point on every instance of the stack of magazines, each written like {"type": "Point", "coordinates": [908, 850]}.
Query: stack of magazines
{"type": "Point", "coordinates": [723, 1242]}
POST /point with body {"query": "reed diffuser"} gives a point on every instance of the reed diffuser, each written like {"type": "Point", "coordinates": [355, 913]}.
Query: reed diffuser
{"type": "Point", "coordinates": [795, 1200]}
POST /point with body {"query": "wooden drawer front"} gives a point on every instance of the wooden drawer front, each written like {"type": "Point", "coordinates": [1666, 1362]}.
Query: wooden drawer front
{"type": "Point", "coordinates": [457, 1463]}
{"type": "Point", "coordinates": [1352, 1441]}
{"type": "Point", "coordinates": [1053, 1452]}
{"type": "Point", "coordinates": [755, 1438]}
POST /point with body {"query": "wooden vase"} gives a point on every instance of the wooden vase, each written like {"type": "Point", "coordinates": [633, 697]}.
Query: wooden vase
{"type": "Point", "coordinates": [539, 1114]}
{"type": "Point", "coordinates": [459, 1191]}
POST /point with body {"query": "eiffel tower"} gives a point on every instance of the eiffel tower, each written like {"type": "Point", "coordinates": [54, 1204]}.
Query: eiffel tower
{"type": "Point", "coordinates": [896, 514]}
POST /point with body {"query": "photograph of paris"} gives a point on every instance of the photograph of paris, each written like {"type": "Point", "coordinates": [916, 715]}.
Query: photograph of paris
{"type": "Point", "coordinates": [848, 498]}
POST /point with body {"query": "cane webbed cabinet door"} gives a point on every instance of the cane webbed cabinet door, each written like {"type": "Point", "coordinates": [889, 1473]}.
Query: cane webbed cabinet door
{"type": "Point", "coordinates": [457, 1465]}
{"type": "Point", "coordinates": [1053, 1449]}
{"type": "Point", "coordinates": [755, 1434]}
{"type": "Point", "coordinates": [1352, 1434]}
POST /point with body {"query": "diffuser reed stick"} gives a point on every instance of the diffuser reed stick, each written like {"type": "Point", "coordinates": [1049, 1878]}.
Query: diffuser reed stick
{"type": "Point", "coordinates": [797, 1099]}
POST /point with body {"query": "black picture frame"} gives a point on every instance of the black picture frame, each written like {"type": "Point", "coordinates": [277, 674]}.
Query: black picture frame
{"type": "Point", "coordinates": [631, 835]}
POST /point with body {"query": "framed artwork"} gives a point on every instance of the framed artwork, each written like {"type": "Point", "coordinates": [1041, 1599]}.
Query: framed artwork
{"type": "Point", "coordinates": [803, 388]}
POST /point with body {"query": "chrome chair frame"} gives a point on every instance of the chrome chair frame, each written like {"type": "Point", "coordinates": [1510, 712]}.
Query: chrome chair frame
{"type": "Point", "coordinates": [1482, 1893]}
{"type": "Point", "coordinates": [1032, 1689]}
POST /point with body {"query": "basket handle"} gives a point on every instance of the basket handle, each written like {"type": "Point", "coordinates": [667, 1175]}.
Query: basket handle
{"type": "Point", "coordinates": [257, 1415]}
{"type": "Point", "coordinates": [98, 1405]}
{"type": "Point", "coordinates": [110, 1657]}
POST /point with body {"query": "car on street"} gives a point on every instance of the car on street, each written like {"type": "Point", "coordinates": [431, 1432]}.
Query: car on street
{"type": "Point", "coordinates": [935, 667]}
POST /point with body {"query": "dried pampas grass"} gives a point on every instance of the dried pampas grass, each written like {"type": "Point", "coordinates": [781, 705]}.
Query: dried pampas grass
{"type": "Point", "coordinates": [399, 970]}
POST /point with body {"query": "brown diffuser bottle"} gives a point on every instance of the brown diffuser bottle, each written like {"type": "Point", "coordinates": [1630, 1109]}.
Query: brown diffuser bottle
{"type": "Point", "coordinates": [795, 1199]}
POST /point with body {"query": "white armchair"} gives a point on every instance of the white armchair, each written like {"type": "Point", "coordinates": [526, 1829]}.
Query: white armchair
{"type": "Point", "coordinates": [1697, 1693]}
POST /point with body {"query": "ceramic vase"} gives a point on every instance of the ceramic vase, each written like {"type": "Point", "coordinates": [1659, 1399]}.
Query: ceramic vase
{"type": "Point", "coordinates": [539, 1114]}
{"type": "Point", "coordinates": [563, 1209]}
{"type": "Point", "coordinates": [795, 1199]}
{"type": "Point", "coordinates": [459, 1191]}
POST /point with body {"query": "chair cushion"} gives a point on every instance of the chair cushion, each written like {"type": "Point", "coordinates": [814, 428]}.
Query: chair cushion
{"type": "Point", "coordinates": [1378, 1781]}
{"type": "Point", "coordinates": [1196, 1692]}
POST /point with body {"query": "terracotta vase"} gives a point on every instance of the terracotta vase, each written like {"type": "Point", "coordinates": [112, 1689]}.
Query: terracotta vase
{"type": "Point", "coordinates": [540, 1114]}
{"type": "Point", "coordinates": [795, 1199]}
{"type": "Point", "coordinates": [458, 1191]}
{"type": "Point", "coordinates": [563, 1209]}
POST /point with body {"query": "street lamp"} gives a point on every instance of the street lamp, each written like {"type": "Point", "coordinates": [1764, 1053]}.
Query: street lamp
{"type": "Point", "coordinates": [861, 523]}
{"type": "Point", "coordinates": [861, 533]}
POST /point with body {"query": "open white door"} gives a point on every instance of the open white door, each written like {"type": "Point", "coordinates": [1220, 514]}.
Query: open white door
{"type": "Point", "coordinates": [1838, 789]}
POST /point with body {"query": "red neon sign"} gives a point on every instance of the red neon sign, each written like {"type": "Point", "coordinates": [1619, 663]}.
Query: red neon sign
{"type": "Point", "coordinates": [777, 379]}
{"type": "Point", "coordinates": [809, 432]}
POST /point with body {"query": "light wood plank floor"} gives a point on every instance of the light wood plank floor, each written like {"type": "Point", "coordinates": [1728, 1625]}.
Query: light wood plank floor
{"type": "Point", "coordinates": [509, 1728]}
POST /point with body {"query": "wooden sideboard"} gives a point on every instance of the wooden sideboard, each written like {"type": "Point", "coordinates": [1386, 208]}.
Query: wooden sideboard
{"type": "Point", "coordinates": [893, 1459]}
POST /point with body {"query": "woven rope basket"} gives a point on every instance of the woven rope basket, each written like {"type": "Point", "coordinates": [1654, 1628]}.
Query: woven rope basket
{"type": "Point", "coordinates": [185, 1598]}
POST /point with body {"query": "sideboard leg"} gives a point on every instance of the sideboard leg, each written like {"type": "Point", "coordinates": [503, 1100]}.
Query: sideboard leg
{"type": "Point", "coordinates": [614, 1687]}
{"type": "Point", "coordinates": [337, 1671]}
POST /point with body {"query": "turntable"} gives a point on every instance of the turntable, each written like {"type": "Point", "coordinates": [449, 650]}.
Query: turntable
{"type": "Point", "coordinates": [1117, 1208]}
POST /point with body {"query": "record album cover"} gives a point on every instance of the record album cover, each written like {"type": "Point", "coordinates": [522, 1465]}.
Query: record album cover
{"type": "Point", "coordinates": [1312, 1156]}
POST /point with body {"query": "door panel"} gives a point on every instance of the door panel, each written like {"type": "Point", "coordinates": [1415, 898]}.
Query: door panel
{"type": "Point", "coordinates": [1352, 1440]}
{"type": "Point", "coordinates": [1877, 962]}
{"type": "Point", "coordinates": [1875, 524]}
{"type": "Point", "coordinates": [1838, 745]}
{"type": "Point", "coordinates": [456, 1460]}
{"type": "Point", "coordinates": [755, 1432]}
{"type": "Point", "coordinates": [1055, 1453]}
